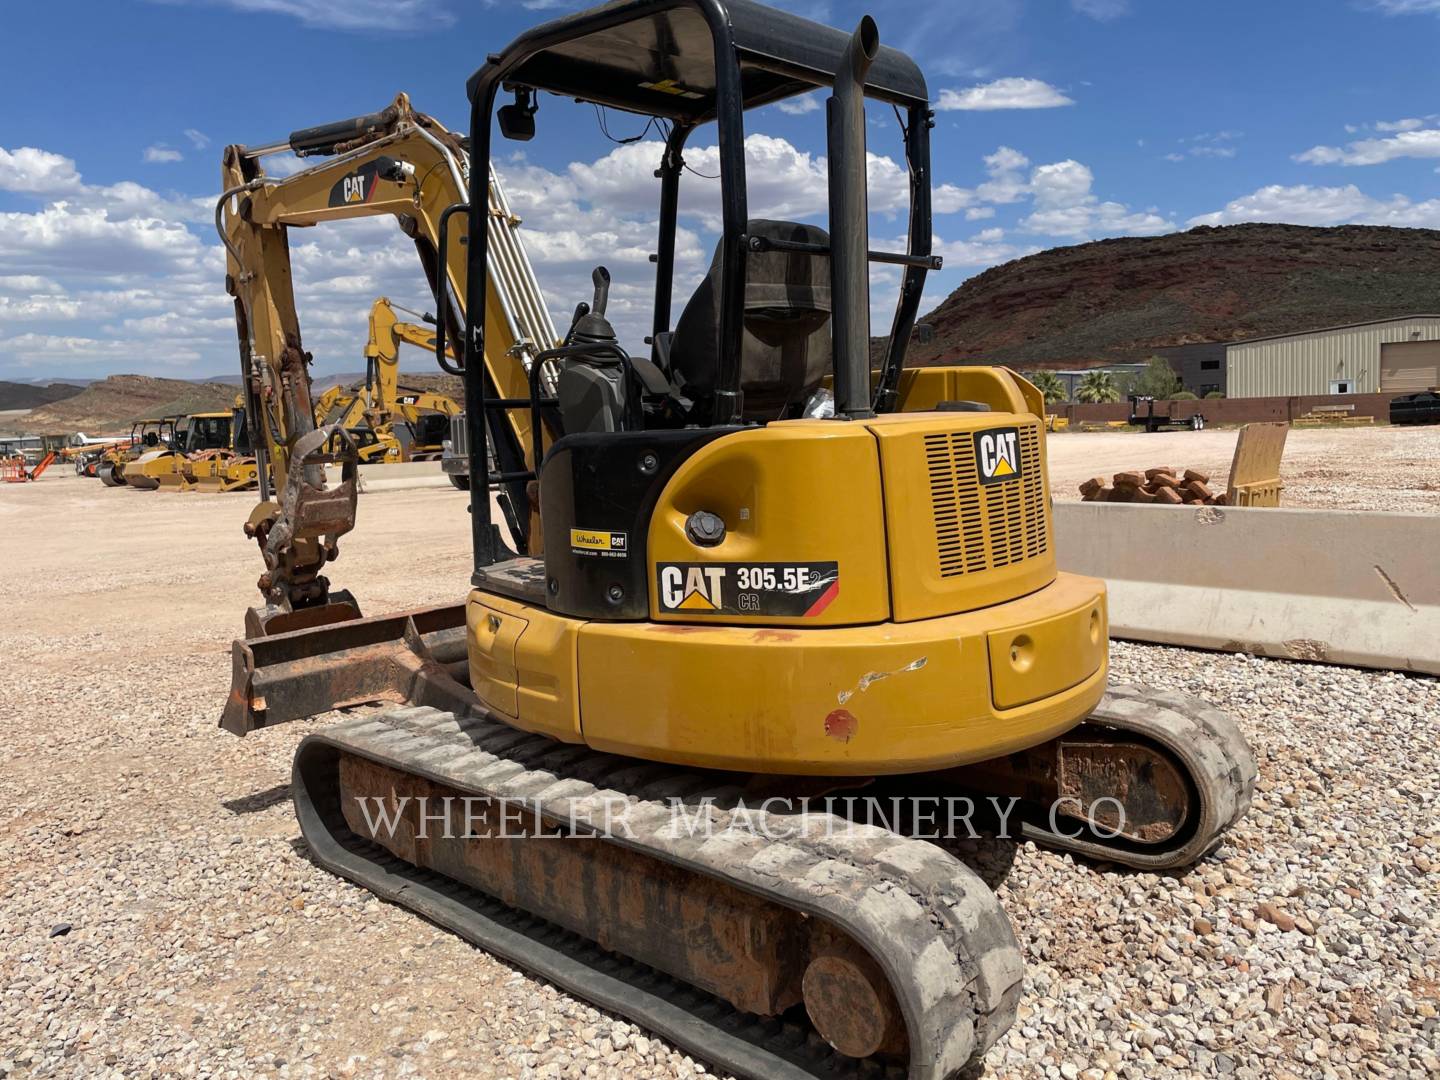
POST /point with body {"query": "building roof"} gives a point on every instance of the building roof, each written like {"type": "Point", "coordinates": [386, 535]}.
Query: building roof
{"type": "Point", "coordinates": [1331, 329]}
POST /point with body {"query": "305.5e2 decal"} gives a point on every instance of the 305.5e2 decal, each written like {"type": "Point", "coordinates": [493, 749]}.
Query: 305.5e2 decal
{"type": "Point", "coordinates": [791, 589]}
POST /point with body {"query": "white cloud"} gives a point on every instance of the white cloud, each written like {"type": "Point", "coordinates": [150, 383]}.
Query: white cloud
{"type": "Point", "coordinates": [1213, 137]}
{"type": "Point", "coordinates": [162, 155]}
{"type": "Point", "coordinates": [986, 248]}
{"type": "Point", "coordinates": [1208, 144]}
{"type": "Point", "coordinates": [1410, 124]}
{"type": "Point", "coordinates": [95, 276]}
{"type": "Point", "coordinates": [1064, 183]}
{"type": "Point", "coordinates": [27, 281]}
{"type": "Point", "coordinates": [1304, 204]}
{"type": "Point", "coordinates": [28, 170]}
{"type": "Point", "coordinates": [1007, 93]}
{"type": "Point", "coordinates": [1102, 10]}
{"type": "Point", "coordinates": [401, 15]}
{"type": "Point", "coordinates": [1406, 143]}
{"type": "Point", "coordinates": [979, 213]}
{"type": "Point", "coordinates": [799, 106]}
{"type": "Point", "coordinates": [198, 139]}
{"type": "Point", "coordinates": [89, 242]}
{"type": "Point", "coordinates": [1407, 7]}
{"type": "Point", "coordinates": [1007, 183]}
{"type": "Point", "coordinates": [1065, 206]}
{"type": "Point", "coordinates": [286, 163]}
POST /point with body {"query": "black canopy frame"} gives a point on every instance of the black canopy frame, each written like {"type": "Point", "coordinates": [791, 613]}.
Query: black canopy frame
{"type": "Point", "coordinates": [688, 62]}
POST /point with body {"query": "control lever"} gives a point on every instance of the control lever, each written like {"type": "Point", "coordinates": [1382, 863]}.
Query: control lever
{"type": "Point", "coordinates": [581, 310]}
{"type": "Point", "coordinates": [601, 278]}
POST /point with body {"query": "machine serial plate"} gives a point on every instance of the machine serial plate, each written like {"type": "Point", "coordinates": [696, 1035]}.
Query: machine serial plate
{"type": "Point", "coordinates": [796, 590]}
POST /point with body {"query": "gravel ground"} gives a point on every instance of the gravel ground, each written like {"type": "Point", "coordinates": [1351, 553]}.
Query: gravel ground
{"type": "Point", "coordinates": [1359, 468]}
{"type": "Point", "coordinates": [159, 916]}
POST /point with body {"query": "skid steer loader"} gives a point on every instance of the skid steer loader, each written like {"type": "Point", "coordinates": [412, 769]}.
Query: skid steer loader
{"type": "Point", "coordinates": [737, 576]}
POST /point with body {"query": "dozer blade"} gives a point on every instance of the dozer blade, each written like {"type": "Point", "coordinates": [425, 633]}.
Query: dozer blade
{"type": "Point", "coordinates": [415, 657]}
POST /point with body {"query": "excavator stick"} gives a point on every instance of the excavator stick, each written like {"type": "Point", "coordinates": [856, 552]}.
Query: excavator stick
{"type": "Point", "coordinates": [299, 535]}
{"type": "Point", "coordinates": [415, 657]}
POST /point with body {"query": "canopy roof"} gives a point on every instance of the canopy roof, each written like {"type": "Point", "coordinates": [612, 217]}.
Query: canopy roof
{"type": "Point", "coordinates": [657, 57]}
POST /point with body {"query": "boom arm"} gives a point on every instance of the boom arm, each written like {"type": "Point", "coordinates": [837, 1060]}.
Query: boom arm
{"type": "Point", "coordinates": [397, 162]}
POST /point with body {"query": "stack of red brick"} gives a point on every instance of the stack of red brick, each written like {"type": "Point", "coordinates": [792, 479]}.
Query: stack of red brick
{"type": "Point", "coordinates": [1160, 485]}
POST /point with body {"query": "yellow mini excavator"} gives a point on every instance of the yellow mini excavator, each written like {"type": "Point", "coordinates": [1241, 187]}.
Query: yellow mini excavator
{"type": "Point", "coordinates": [746, 592]}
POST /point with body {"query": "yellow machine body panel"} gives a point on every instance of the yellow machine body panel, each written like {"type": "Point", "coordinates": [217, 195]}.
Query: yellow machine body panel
{"type": "Point", "coordinates": [897, 698]}
{"type": "Point", "coordinates": [523, 664]}
{"type": "Point", "coordinates": [944, 634]}
{"type": "Point", "coordinates": [967, 511]}
{"type": "Point", "coordinates": [799, 493]}
{"type": "Point", "coordinates": [843, 701]}
{"type": "Point", "coordinates": [1036, 659]}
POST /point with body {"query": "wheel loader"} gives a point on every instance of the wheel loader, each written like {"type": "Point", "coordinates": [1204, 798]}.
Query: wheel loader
{"type": "Point", "coordinates": [742, 582]}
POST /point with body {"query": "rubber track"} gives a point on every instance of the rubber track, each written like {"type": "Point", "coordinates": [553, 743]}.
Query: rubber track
{"type": "Point", "coordinates": [1213, 752]}
{"type": "Point", "coordinates": [932, 924]}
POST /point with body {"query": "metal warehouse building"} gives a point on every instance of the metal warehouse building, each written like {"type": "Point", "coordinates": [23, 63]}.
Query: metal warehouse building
{"type": "Point", "coordinates": [1400, 354]}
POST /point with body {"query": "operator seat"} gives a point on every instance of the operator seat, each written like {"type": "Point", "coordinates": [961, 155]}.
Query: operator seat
{"type": "Point", "coordinates": [786, 350]}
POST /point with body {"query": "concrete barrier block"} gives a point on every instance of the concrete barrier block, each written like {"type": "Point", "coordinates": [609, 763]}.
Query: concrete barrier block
{"type": "Point", "coordinates": [396, 476]}
{"type": "Point", "coordinates": [1335, 586]}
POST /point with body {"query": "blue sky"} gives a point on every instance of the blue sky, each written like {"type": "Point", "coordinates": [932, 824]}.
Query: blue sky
{"type": "Point", "coordinates": [1059, 121]}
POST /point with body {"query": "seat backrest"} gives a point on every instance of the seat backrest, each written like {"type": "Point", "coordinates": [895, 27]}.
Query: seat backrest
{"type": "Point", "coordinates": [786, 350]}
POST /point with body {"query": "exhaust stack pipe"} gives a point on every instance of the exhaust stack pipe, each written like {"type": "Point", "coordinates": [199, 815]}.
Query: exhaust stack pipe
{"type": "Point", "coordinates": [850, 224]}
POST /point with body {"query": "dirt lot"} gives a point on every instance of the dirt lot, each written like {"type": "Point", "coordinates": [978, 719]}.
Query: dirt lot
{"type": "Point", "coordinates": [1359, 468]}
{"type": "Point", "coordinates": [159, 915]}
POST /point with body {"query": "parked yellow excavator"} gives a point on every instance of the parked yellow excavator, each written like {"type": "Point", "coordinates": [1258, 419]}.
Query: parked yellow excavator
{"type": "Point", "coordinates": [407, 423]}
{"type": "Point", "coordinates": [747, 590]}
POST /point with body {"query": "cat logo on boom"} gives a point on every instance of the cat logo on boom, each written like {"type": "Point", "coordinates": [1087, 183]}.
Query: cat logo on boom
{"type": "Point", "coordinates": [997, 454]}
{"type": "Point", "coordinates": [355, 189]}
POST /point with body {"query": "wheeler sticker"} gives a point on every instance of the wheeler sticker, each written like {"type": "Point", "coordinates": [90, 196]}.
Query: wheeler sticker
{"type": "Point", "coordinates": [997, 454]}
{"type": "Point", "coordinates": [801, 590]}
{"type": "Point", "coordinates": [609, 545]}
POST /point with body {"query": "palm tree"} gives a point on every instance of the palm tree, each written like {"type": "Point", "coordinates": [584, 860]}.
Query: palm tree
{"type": "Point", "coordinates": [1097, 388]}
{"type": "Point", "coordinates": [1051, 385]}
